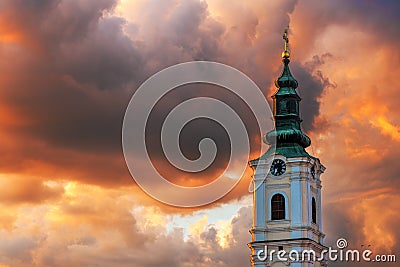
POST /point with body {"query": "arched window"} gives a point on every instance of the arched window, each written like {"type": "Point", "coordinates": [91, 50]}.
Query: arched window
{"type": "Point", "coordinates": [278, 207]}
{"type": "Point", "coordinates": [313, 210]}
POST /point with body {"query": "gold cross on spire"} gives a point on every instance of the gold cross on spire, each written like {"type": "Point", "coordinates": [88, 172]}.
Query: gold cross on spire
{"type": "Point", "coordinates": [285, 37]}
{"type": "Point", "coordinates": [286, 53]}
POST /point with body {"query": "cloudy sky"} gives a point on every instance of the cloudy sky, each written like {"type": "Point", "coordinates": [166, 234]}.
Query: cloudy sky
{"type": "Point", "coordinates": [68, 69]}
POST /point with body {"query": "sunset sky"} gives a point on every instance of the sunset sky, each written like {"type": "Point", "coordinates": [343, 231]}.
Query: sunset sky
{"type": "Point", "coordinates": [68, 69]}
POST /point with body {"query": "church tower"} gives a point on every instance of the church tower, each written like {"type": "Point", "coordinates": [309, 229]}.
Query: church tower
{"type": "Point", "coordinates": [287, 215]}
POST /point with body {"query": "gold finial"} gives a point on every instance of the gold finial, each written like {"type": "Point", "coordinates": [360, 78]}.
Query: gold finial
{"type": "Point", "coordinates": [286, 53]}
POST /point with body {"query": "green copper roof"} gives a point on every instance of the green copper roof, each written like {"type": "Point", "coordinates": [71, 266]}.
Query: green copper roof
{"type": "Point", "coordinates": [288, 137]}
{"type": "Point", "coordinates": [286, 81]}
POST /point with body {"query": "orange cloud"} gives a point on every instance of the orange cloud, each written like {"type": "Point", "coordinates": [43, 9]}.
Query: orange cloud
{"type": "Point", "coordinates": [69, 69]}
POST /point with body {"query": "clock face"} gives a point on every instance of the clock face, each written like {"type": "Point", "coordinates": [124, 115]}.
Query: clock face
{"type": "Point", "coordinates": [313, 172]}
{"type": "Point", "coordinates": [278, 167]}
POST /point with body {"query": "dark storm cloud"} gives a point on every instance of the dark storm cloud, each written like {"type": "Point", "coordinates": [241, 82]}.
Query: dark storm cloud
{"type": "Point", "coordinates": [82, 69]}
{"type": "Point", "coordinates": [196, 130]}
{"type": "Point", "coordinates": [312, 84]}
{"type": "Point", "coordinates": [77, 52]}
{"type": "Point", "coordinates": [68, 74]}
{"type": "Point", "coordinates": [105, 58]}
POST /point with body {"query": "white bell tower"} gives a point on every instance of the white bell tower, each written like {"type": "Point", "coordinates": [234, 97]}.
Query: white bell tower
{"type": "Point", "coordinates": [287, 213]}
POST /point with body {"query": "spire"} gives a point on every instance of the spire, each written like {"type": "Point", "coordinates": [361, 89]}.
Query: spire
{"type": "Point", "coordinates": [286, 79]}
{"type": "Point", "coordinates": [289, 138]}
